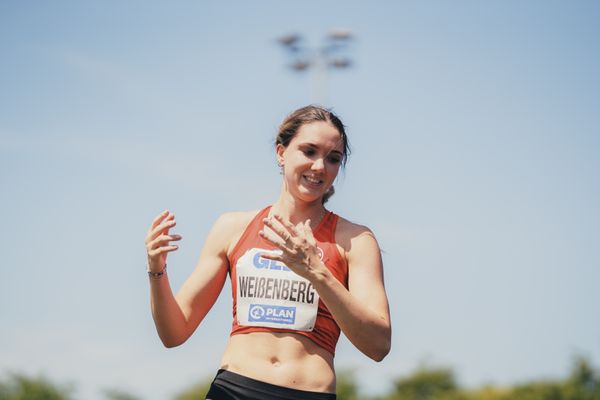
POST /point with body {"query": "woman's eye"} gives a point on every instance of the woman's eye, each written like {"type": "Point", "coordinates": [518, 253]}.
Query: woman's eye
{"type": "Point", "coordinates": [334, 159]}
{"type": "Point", "coordinates": [309, 152]}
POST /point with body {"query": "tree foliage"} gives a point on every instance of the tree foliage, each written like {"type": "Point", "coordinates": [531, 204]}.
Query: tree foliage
{"type": "Point", "coordinates": [346, 386]}
{"type": "Point", "coordinates": [426, 383]}
{"type": "Point", "coordinates": [197, 391]}
{"type": "Point", "coordinates": [21, 387]}
{"type": "Point", "coordinates": [439, 384]}
{"type": "Point", "coordinates": [119, 394]}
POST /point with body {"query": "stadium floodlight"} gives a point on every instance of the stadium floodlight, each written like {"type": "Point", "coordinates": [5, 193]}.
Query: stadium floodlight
{"type": "Point", "coordinates": [331, 54]}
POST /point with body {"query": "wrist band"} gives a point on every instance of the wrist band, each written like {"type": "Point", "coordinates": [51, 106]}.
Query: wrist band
{"type": "Point", "coordinates": [157, 275]}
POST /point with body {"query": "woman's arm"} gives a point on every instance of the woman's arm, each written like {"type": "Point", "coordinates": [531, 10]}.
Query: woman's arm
{"type": "Point", "coordinates": [177, 317]}
{"type": "Point", "coordinates": [362, 310]}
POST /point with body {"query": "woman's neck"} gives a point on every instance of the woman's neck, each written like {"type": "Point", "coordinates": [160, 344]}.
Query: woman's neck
{"type": "Point", "coordinates": [297, 211]}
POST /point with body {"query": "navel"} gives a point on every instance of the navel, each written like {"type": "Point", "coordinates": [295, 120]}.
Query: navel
{"type": "Point", "coordinates": [275, 361]}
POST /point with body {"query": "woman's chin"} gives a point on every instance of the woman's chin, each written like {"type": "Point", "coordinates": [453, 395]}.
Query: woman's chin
{"type": "Point", "coordinates": [310, 196]}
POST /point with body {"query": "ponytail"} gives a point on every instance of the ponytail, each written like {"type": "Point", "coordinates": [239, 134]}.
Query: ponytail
{"type": "Point", "coordinates": [330, 192]}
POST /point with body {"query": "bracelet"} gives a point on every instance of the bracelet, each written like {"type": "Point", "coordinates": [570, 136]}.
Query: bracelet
{"type": "Point", "coordinates": [157, 275]}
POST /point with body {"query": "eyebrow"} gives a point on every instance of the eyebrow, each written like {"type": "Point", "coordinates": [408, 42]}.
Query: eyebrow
{"type": "Point", "coordinates": [314, 146]}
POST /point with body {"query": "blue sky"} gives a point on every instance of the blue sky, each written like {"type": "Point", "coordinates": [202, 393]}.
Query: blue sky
{"type": "Point", "coordinates": [475, 134]}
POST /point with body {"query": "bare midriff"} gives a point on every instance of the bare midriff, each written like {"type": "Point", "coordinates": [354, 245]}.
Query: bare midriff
{"type": "Point", "coordinates": [283, 359]}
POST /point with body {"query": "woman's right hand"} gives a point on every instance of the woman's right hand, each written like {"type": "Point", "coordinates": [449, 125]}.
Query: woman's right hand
{"type": "Point", "coordinates": [158, 241]}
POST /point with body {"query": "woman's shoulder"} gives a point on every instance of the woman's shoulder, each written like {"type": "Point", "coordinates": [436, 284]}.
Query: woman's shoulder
{"type": "Point", "coordinates": [234, 220]}
{"type": "Point", "coordinates": [348, 232]}
{"type": "Point", "coordinates": [351, 229]}
{"type": "Point", "coordinates": [357, 243]}
{"type": "Point", "coordinates": [236, 217]}
{"type": "Point", "coordinates": [231, 225]}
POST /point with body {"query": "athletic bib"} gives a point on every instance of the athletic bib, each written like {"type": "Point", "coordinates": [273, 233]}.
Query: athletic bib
{"type": "Point", "coordinates": [269, 294]}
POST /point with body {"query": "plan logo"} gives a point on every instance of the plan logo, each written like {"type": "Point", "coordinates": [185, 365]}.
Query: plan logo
{"type": "Point", "coordinates": [256, 313]}
{"type": "Point", "coordinates": [273, 314]}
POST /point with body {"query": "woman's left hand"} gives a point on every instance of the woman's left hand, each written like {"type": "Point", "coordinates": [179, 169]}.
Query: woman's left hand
{"type": "Point", "coordinates": [298, 246]}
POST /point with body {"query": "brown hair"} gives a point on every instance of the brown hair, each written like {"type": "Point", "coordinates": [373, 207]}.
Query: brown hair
{"type": "Point", "coordinates": [305, 115]}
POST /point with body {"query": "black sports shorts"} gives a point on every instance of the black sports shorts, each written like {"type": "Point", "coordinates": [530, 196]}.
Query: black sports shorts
{"type": "Point", "coordinates": [231, 386]}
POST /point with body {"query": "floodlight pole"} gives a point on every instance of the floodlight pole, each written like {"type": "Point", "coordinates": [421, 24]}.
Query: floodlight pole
{"type": "Point", "coordinates": [330, 55]}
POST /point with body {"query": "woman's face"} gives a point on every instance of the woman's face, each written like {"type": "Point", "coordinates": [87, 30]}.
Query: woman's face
{"type": "Point", "coordinates": [312, 160]}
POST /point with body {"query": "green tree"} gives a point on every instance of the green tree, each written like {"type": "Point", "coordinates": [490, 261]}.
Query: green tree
{"type": "Point", "coordinates": [427, 384]}
{"type": "Point", "coordinates": [488, 392]}
{"type": "Point", "coordinates": [583, 383]}
{"type": "Point", "coordinates": [197, 391]}
{"type": "Point", "coordinates": [118, 394]}
{"type": "Point", "coordinates": [346, 386]}
{"type": "Point", "coordinates": [21, 387]}
{"type": "Point", "coordinates": [536, 391]}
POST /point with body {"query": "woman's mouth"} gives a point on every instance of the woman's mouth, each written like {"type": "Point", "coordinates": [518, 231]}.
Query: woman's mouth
{"type": "Point", "coordinates": [312, 180]}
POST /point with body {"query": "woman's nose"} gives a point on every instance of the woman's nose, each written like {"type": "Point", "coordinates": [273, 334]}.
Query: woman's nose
{"type": "Point", "coordinates": [318, 164]}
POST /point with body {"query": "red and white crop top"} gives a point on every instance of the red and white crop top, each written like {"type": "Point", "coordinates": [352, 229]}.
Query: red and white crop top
{"type": "Point", "coordinates": [269, 297]}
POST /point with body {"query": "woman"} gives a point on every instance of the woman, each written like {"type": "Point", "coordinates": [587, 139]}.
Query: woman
{"type": "Point", "coordinates": [299, 273]}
